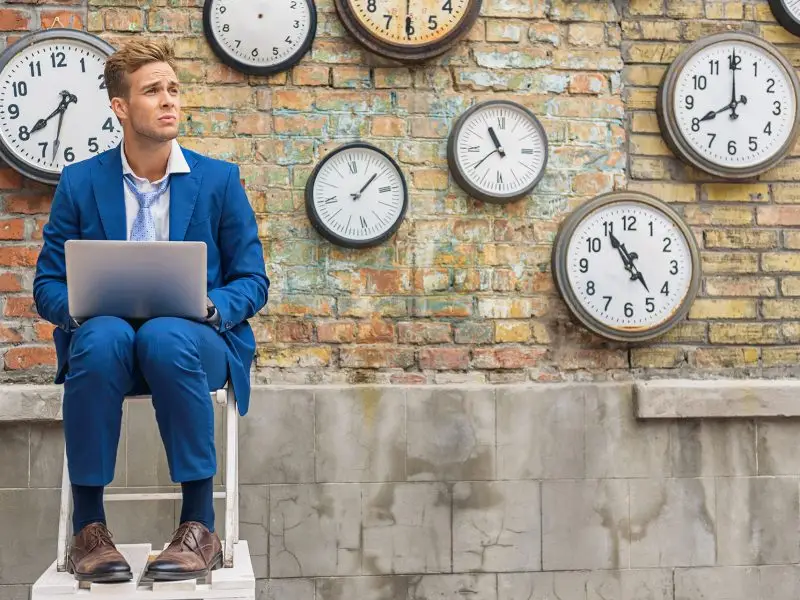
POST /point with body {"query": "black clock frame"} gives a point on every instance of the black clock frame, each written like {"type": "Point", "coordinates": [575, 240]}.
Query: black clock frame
{"type": "Point", "coordinates": [57, 33]}
{"type": "Point", "coordinates": [234, 63]}
{"type": "Point", "coordinates": [463, 180]}
{"type": "Point", "coordinates": [334, 237]}
{"type": "Point", "coordinates": [784, 17]}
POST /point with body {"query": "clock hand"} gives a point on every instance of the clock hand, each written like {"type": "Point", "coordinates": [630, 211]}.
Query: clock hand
{"type": "Point", "coordinates": [56, 142]}
{"type": "Point", "coordinates": [733, 65]}
{"type": "Point", "coordinates": [66, 98]}
{"type": "Point", "coordinates": [635, 272]}
{"type": "Point", "coordinates": [621, 249]}
{"type": "Point", "coordinates": [409, 28]}
{"type": "Point", "coordinates": [475, 166]}
{"type": "Point", "coordinates": [496, 142]}
{"type": "Point", "coordinates": [357, 195]}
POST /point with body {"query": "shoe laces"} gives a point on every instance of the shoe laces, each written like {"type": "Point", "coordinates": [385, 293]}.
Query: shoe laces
{"type": "Point", "coordinates": [182, 535]}
{"type": "Point", "coordinates": [98, 535]}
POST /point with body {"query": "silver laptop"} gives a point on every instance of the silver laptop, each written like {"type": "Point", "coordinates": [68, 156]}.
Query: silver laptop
{"type": "Point", "coordinates": [136, 280]}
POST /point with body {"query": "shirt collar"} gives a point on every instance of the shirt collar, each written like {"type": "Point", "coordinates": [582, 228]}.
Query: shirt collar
{"type": "Point", "coordinates": [176, 163]}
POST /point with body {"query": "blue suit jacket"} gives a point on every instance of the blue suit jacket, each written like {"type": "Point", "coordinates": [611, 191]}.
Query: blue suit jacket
{"type": "Point", "coordinates": [207, 205]}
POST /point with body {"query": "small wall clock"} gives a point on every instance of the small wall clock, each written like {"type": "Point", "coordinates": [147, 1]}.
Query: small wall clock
{"type": "Point", "coordinates": [356, 196]}
{"type": "Point", "coordinates": [260, 37]}
{"type": "Point", "coordinates": [54, 107]}
{"type": "Point", "coordinates": [408, 30]}
{"type": "Point", "coordinates": [787, 13]}
{"type": "Point", "coordinates": [497, 151]}
{"type": "Point", "coordinates": [627, 266]}
{"type": "Point", "coordinates": [728, 105]}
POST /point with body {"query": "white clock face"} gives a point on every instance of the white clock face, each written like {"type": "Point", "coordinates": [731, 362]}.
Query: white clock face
{"type": "Point", "coordinates": [358, 194]}
{"type": "Point", "coordinates": [792, 7]}
{"type": "Point", "coordinates": [500, 150]}
{"type": "Point", "coordinates": [54, 108]}
{"type": "Point", "coordinates": [735, 104]}
{"type": "Point", "coordinates": [629, 266]}
{"type": "Point", "coordinates": [260, 33]}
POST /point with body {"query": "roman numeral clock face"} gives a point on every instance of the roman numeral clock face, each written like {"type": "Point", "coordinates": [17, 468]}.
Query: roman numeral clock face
{"type": "Point", "coordinates": [732, 106]}
{"type": "Point", "coordinates": [54, 108]}
{"type": "Point", "coordinates": [356, 197]}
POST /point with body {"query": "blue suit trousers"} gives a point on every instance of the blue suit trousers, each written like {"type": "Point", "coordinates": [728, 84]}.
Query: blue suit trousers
{"type": "Point", "coordinates": [178, 361]}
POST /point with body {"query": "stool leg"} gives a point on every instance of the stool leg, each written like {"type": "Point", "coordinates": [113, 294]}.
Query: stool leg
{"type": "Point", "coordinates": [231, 479]}
{"type": "Point", "coordinates": [63, 516]}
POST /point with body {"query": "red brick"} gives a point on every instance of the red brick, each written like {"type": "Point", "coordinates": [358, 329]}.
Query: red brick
{"type": "Point", "coordinates": [408, 379]}
{"type": "Point", "coordinates": [44, 330]}
{"type": "Point", "coordinates": [12, 229]}
{"type": "Point", "coordinates": [20, 306]}
{"type": "Point", "coordinates": [38, 225]}
{"type": "Point", "coordinates": [375, 357]}
{"type": "Point", "coordinates": [294, 331]}
{"type": "Point", "coordinates": [13, 20]}
{"type": "Point", "coordinates": [336, 332]}
{"type": "Point", "coordinates": [28, 357]}
{"type": "Point", "coordinates": [19, 256]}
{"type": "Point", "coordinates": [513, 357]}
{"type": "Point", "coordinates": [9, 178]}
{"type": "Point", "coordinates": [26, 203]}
{"type": "Point", "coordinates": [66, 18]}
{"type": "Point", "coordinates": [384, 281]}
{"type": "Point", "coordinates": [9, 334]}
{"type": "Point", "coordinates": [218, 73]}
{"type": "Point", "coordinates": [424, 333]}
{"type": "Point", "coordinates": [10, 282]}
{"type": "Point", "coordinates": [444, 359]}
{"type": "Point", "coordinates": [375, 331]}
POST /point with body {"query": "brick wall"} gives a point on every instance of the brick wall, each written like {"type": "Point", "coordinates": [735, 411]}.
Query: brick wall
{"type": "Point", "coordinates": [463, 292]}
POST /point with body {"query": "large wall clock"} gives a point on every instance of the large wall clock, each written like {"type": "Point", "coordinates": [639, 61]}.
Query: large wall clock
{"type": "Point", "coordinates": [356, 196]}
{"type": "Point", "coordinates": [408, 30]}
{"type": "Point", "coordinates": [787, 13]}
{"type": "Point", "coordinates": [497, 151]}
{"type": "Point", "coordinates": [728, 105]}
{"type": "Point", "coordinates": [627, 266]}
{"type": "Point", "coordinates": [260, 37]}
{"type": "Point", "coordinates": [54, 107]}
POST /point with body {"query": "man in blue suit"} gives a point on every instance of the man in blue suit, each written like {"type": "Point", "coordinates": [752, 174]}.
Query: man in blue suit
{"type": "Point", "coordinates": [150, 188]}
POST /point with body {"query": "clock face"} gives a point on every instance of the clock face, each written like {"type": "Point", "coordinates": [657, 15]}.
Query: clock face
{"type": "Point", "coordinates": [54, 108]}
{"type": "Point", "coordinates": [627, 268]}
{"type": "Point", "coordinates": [356, 196]}
{"type": "Point", "coordinates": [787, 12]}
{"type": "Point", "coordinates": [734, 106]}
{"type": "Point", "coordinates": [260, 36]}
{"type": "Point", "coordinates": [498, 151]}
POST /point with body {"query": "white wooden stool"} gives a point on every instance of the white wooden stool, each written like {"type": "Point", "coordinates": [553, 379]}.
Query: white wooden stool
{"type": "Point", "coordinates": [234, 580]}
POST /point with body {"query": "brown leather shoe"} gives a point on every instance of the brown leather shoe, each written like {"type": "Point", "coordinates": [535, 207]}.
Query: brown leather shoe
{"type": "Point", "coordinates": [93, 556]}
{"type": "Point", "coordinates": [192, 553]}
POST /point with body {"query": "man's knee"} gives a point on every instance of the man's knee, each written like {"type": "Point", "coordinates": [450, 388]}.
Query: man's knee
{"type": "Point", "coordinates": [101, 343]}
{"type": "Point", "coordinates": [165, 343]}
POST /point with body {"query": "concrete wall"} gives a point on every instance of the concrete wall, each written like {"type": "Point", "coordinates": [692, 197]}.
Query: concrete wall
{"type": "Point", "coordinates": [493, 493]}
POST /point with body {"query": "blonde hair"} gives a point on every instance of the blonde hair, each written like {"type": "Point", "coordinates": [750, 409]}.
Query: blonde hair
{"type": "Point", "coordinates": [132, 56]}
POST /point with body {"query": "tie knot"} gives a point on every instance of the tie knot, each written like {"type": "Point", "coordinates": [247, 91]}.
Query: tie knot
{"type": "Point", "coordinates": [146, 198]}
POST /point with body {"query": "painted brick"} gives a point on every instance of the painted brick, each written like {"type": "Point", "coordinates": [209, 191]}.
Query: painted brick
{"type": "Point", "coordinates": [781, 262]}
{"type": "Point", "coordinates": [741, 286]}
{"type": "Point", "coordinates": [710, 308]}
{"type": "Point", "coordinates": [657, 358]}
{"type": "Point", "coordinates": [744, 333]}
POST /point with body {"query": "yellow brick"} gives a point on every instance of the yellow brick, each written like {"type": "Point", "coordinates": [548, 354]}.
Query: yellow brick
{"type": "Point", "coordinates": [308, 356]}
{"type": "Point", "coordinates": [660, 30]}
{"type": "Point", "coordinates": [791, 240]}
{"type": "Point", "coordinates": [790, 286]}
{"type": "Point", "coordinates": [539, 333]}
{"type": "Point", "coordinates": [640, 99]}
{"type": "Point", "coordinates": [388, 126]}
{"type": "Point", "coordinates": [735, 192]}
{"type": "Point", "coordinates": [725, 10]}
{"type": "Point", "coordinates": [759, 12]}
{"type": "Point", "coordinates": [578, 10]}
{"type": "Point", "coordinates": [685, 9]}
{"type": "Point", "coordinates": [430, 179]}
{"type": "Point", "coordinates": [785, 216]}
{"type": "Point", "coordinates": [741, 238]}
{"type": "Point", "coordinates": [685, 332]}
{"type": "Point", "coordinates": [725, 358]}
{"type": "Point", "coordinates": [586, 34]}
{"type": "Point", "coordinates": [777, 34]}
{"type": "Point", "coordinates": [657, 358]}
{"type": "Point", "coordinates": [668, 192]}
{"type": "Point", "coordinates": [743, 333]}
{"type": "Point", "coordinates": [512, 331]}
{"type": "Point", "coordinates": [780, 308]}
{"type": "Point", "coordinates": [741, 286]}
{"type": "Point", "coordinates": [712, 308]}
{"type": "Point", "coordinates": [729, 262]}
{"type": "Point", "coordinates": [786, 193]}
{"type": "Point", "coordinates": [786, 170]}
{"type": "Point", "coordinates": [227, 96]}
{"type": "Point", "coordinates": [644, 122]}
{"type": "Point", "coordinates": [780, 357]}
{"type": "Point", "coordinates": [717, 215]}
{"type": "Point", "coordinates": [791, 332]}
{"type": "Point", "coordinates": [789, 262]}
{"type": "Point", "coordinates": [652, 52]}
{"type": "Point", "coordinates": [644, 75]}
{"type": "Point", "coordinates": [646, 7]}
{"type": "Point", "coordinates": [649, 145]}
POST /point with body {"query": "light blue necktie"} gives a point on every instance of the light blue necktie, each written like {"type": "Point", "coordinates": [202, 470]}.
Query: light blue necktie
{"type": "Point", "coordinates": [144, 227]}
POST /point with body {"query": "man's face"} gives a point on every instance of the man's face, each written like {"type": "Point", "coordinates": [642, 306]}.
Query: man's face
{"type": "Point", "coordinates": [152, 109]}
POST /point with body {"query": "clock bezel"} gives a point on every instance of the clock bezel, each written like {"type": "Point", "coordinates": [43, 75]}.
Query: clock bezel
{"type": "Point", "coordinates": [561, 276]}
{"type": "Point", "coordinates": [334, 237]}
{"type": "Point", "coordinates": [665, 111]}
{"type": "Point", "coordinates": [784, 17]}
{"type": "Point", "coordinates": [63, 35]}
{"type": "Point", "coordinates": [404, 53]}
{"type": "Point", "coordinates": [463, 180]}
{"type": "Point", "coordinates": [234, 63]}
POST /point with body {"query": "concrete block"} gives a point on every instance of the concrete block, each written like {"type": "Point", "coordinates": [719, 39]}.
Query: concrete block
{"type": "Point", "coordinates": [646, 584]}
{"type": "Point", "coordinates": [15, 453]}
{"type": "Point", "coordinates": [777, 447]}
{"type": "Point", "coordinates": [717, 583]}
{"type": "Point", "coordinates": [362, 588]}
{"type": "Point", "coordinates": [558, 585]}
{"type": "Point", "coordinates": [706, 447]}
{"type": "Point", "coordinates": [445, 587]}
{"type": "Point", "coordinates": [254, 524]}
{"type": "Point", "coordinates": [451, 434]}
{"type": "Point", "coordinates": [47, 454]}
{"type": "Point", "coordinates": [29, 526]}
{"type": "Point", "coordinates": [361, 435]}
{"type": "Point", "coordinates": [496, 526]}
{"type": "Point", "coordinates": [285, 589]}
{"type": "Point", "coordinates": [779, 582]}
{"type": "Point", "coordinates": [30, 402]}
{"type": "Point", "coordinates": [14, 592]}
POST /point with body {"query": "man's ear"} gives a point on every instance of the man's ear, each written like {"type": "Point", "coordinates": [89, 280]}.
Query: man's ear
{"type": "Point", "coordinates": [120, 108]}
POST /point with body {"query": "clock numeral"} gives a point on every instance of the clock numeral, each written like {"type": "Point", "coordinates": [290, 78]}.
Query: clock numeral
{"type": "Point", "coordinates": [649, 304]}
{"type": "Point", "coordinates": [501, 122]}
{"type": "Point", "coordinates": [254, 52]}
{"type": "Point", "coordinates": [108, 125]}
{"type": "Point", "coordinates": [628, 309]}
{"type": "Point", "coordinates": [293, 5]}
{"type": "Point", "coordinates": [700, 82]}
{"type": "Point", "coordinates": [650, 224]}
{"type": "Point", "coordinates": [695, 124]}
{"type": "Point", "coordinates": [83, 65]}
{"type": "Point", "coordinates": [385, 189]}
{"type": "Point", "coordinates": [58, 59]}
{"type": "Point", "coordinates": [731, 147]}
{"type": "Point", "coordinates": [753, 143]}
{"type": "Point", "coordinates": [629, 223]}
{"type": "Point", "coordinates": [363, 222]}
{"type": "Point", "coordinates": [527, 150]}
{"type": "Point", "coordinates": [771, 86]}
{"type": "Point", "coordinates": [93, 147]}
{"type": "Point", "coordinates": [448, 6]}
{"type": "Point", "coordinates": [711, 141]}
{"type": "Point", "coordinates": [372, 5]}
{"type": "Point", "coordinates": [288, 39]}
{"type": "Point", "coordinates": [734, 61]}
{"type": "Point", "coordinates": [689, 102]}
{"type": "Point", "coordinates": [238, 43]}
{"type": "Point", "coordinates": [499, 177]}
{"type": "Point", "coordinates": [44, 148]}
{"type": "Point", "coordinates": [102, 81]}
{"type": "Point", "coordinates": [667, 244]}
{"type": "Point", "coordinates": [432, 24]}
{"type": "Point", "coordinates": [590, 288]}
{"type": "Point", "coordinates": [13, 110]}
{"type": "Point", "coordinates": [768, 128]}
{"type": "Point", "coordinates": [665, 288]}
{"type": "Point", "coordinates": [713, 67]}
{"type": "Point", "coordinates": [409, 27]}
{"type": "Point", "coordinates": [20, 88]}
{"type": "Point", "coordinates": [226, 28]}
{"type": "Point", "coordinates": [69, 155]}
{"type": "Point", "coordinates": [584, 265]}
{"type": "Point", "coordinates": [296, 24]}
{"type": "Point", "coordinates": [353, 167]}
{"type": "Point", "coordinates": [673, 269]}
{"type": "Point", "coordinates": [777, 106]}
{"type": "Point", "coordinates": [36, 68]}
{"type": "Point", "coordinates": [275, 51]}
{"type": "Point", "coordinates": [23, 133]}
{"type": "Point", "coordinates": [593, 244]}
{"type": "Point", "coordinates": [608, 301]}
{"type": "Point", "coordinates": [608, 227]}
{"type": "Point", "coordinates": [388, 20]}
{"type": "Point", "coordinates": [755, 69]}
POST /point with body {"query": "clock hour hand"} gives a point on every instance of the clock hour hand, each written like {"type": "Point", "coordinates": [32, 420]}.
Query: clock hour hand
{"type": "Point", "coordinates": [66, 98]}
{"type": "Point", "coordinates": [496, 142]}
{"type": "Point", "coordinates": [634, 271]}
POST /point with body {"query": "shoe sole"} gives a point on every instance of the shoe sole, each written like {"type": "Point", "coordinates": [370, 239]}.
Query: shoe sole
{"type": "Point", "coordinates": [104, 578]}
{"type": "Point", "coordinates": [156, 576]}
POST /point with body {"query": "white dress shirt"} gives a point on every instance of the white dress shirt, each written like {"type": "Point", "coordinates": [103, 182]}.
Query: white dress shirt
{"type": "Point", "coordinates": [160, 208]}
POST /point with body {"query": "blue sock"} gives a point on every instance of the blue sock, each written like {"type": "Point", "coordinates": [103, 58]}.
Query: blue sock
{"type": "Point", "coordinates": [198, 502]}
{"type": "Point", "coordinates": [87, 506]}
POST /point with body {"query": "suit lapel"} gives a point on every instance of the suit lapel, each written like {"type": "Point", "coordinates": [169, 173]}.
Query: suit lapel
{"type": "Point", "coordinates": [109, 195]}
{"type": "Point", "coordinates": [183, 190]}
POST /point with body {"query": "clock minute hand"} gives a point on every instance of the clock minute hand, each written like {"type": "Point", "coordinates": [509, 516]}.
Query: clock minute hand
{"type": "Point", "coordinates": [357, 195]}
{"type": "Point", "coordinates": [66, 98]}
{"type": "Point", "coordinates": [635, 272]}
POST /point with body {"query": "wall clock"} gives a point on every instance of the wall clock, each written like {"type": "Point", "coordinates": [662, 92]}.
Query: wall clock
{"type": "Point", "coordinates": [260, 37]}
{"type": "Point", "coordinates": [728, 105]}
{"type": "Point", "coordinates": [408, 30]}
{"type": "Point", "coordinates": [627, 266]}
{"type": "Point", "coordinates": [497, 151]}
{"type": "Point", "coordinates": [787, 13]}
{"type": "Point", "coordinates": [356, 196]}
{"type": "Point", "coordinates": [54, 107]}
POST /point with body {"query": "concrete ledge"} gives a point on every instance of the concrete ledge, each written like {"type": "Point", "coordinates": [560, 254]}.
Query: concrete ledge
{"type": "Point", "coordinates": [30, 403]}
{"type": "Point", "coordinates": [726, 398]}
